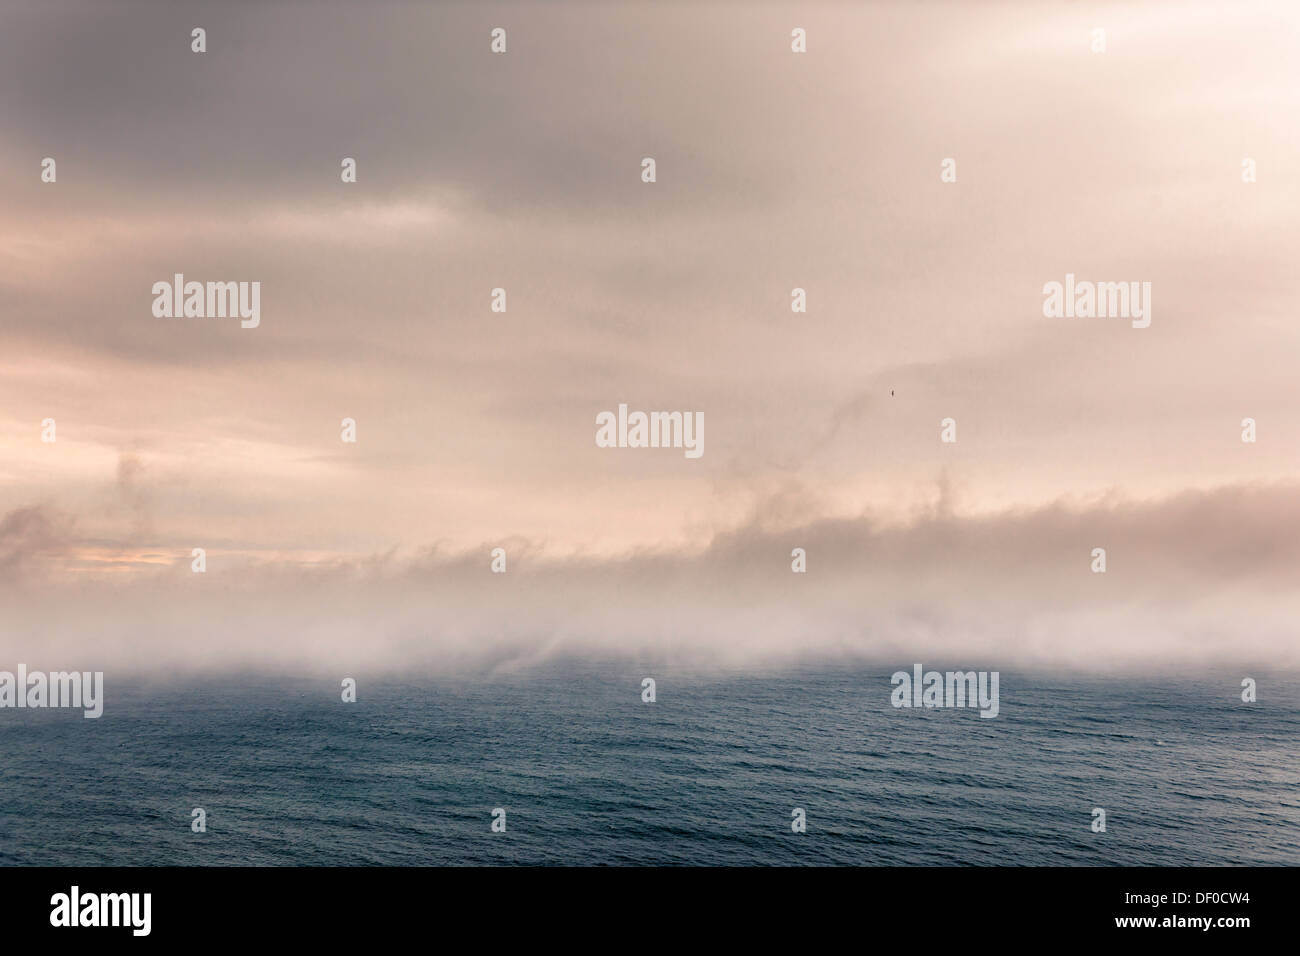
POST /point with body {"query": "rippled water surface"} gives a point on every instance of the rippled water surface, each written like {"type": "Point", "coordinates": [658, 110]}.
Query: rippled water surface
{"type": "Point", "coordinates": [708, 774]}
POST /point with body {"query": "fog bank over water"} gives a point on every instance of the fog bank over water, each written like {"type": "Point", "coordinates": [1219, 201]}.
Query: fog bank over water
{"type": "Point", "coordinates": [1201, 579]}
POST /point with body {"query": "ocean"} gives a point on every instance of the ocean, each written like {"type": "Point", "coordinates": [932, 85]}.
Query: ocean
{"type": "Point", "coordinates": [708, 774]}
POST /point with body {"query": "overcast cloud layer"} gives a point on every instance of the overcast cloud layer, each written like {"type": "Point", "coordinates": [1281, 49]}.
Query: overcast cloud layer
{"type": "Point", "coordinates": [476, 430]}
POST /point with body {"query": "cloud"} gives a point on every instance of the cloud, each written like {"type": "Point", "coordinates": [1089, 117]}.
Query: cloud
{"type": "Point", "coordinates": [1200, 578]}
{"type": "Point", "coordinates": [522, 171]}
{"type": "Point", "coordinates": [29, 535]}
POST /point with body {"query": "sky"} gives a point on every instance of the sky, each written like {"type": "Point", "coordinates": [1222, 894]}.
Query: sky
{"type": "Point", "coordinates": [775, 170]}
